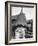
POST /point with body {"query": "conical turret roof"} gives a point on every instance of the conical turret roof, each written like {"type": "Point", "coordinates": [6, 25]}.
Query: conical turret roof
{"type": "Point", "coordinates": [21, 18]}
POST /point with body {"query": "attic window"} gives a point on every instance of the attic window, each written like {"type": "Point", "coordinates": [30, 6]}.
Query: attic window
{"type": "Point", "coordinates": [13, 20]}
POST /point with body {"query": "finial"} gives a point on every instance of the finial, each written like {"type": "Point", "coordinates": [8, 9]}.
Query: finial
{"type": "Point", "coordinates": [21, 10]}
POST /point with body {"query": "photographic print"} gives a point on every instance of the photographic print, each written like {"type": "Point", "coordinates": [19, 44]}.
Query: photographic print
{"type": "Point", "coordinates": [20, 23]}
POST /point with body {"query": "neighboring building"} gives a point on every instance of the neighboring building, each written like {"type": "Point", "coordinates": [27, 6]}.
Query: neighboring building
{"type": "Point", "coordinates": [21, 27]}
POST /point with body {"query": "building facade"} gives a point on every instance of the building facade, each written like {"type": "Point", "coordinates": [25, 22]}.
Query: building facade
{"type": "Point", "coordinates": [21, 27]}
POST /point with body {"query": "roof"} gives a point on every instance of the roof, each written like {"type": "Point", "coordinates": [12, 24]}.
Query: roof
{"type": "Point", "coordinates": [20, 18]}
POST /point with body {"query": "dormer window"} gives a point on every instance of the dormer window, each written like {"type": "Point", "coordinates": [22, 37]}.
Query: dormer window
{"type": "Point", "coordinates": [13, 20]}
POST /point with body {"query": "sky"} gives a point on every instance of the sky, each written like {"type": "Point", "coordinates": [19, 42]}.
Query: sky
{"type": "Point", "coordinates": [29, 12]}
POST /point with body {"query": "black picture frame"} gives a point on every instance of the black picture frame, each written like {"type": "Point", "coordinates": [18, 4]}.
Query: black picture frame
{"type": "Point", "coordinates": [6, 20]}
